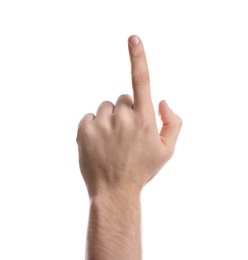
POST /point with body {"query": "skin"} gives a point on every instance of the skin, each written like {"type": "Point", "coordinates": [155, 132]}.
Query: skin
{"type": "Point", "coordinates": [120, 151]}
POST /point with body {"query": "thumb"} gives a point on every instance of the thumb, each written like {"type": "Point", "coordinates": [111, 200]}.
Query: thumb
{"type": "Point", "coordinates": [171, 125]}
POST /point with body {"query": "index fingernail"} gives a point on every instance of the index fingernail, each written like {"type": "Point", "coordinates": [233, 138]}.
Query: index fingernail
{"type": "Point", "coordinates": [134, 40]}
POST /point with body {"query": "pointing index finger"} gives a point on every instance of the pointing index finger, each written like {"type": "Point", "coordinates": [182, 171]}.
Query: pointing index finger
{"type": "Point", "coordinates": [140, 74]}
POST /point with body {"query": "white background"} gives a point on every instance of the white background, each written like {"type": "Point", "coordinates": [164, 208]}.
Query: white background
{"type": "Point", "coordinates": [60, 59]}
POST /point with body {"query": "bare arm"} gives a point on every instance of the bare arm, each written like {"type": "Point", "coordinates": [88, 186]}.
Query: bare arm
{"type": "Point", "coordinates": [114, 230]}
{"type": "Point", "coordinates": [120, 150]}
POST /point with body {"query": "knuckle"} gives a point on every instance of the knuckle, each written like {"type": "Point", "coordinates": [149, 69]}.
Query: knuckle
{"type": "Point", "coordinates": [124, 100]}
{"type": "Point", "coordinates": [84, 131]}
{"type": "Point", "coordinates": [86, 118]}
{"type": "Point", "coordinates": [89, 115]}
{"type": "Point", "coordinates": [140, 79]}
{"type": "Point", "coordinates": [179, 120]}
{"type": "Point", "coordinates": [121, 119]}
{"type": "Point", "coordinates": [124, 96]}
{"type": "Point", "coordinates": [106, 102]}
{"type": "Point", "coordinates": [105, 105]}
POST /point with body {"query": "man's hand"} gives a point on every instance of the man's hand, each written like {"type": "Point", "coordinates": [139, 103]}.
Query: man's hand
{"type": "Point", "coordinates": [120, 150]}
{"type": "Point", "coordinates": [120, 147]}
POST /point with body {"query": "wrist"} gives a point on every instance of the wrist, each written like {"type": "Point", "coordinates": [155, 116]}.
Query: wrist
{"type": "Point", "coordinates": [115, 192]}
{"type": "Point", "coordinates": [117, 198]}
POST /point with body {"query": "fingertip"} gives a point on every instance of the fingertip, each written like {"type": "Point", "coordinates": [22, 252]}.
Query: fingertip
{"type": "Point", "coordinates": [135, 47]}
{"type": "Point", "coordinates": [163, 103]}
{"type": "Point", "coordinates": [164, 111]}
{"type": "Point", "coordinates": [134, 40]}
{"type": "Point", "coordinates": [162, 106]}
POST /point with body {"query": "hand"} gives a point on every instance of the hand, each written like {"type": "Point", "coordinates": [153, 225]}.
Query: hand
{"type": "Point", "coordinates": [120, 148]}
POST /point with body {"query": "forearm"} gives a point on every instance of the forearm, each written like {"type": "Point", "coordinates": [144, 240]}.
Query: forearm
{"type": "Point", "coordinates": [114, 229]}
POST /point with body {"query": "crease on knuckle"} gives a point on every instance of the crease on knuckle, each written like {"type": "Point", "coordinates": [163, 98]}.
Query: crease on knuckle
{"type": "Point", "coordinates": [140, 79]}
